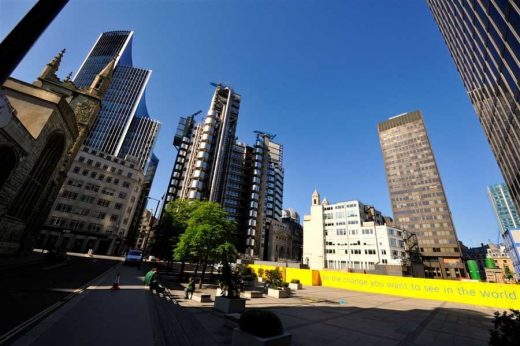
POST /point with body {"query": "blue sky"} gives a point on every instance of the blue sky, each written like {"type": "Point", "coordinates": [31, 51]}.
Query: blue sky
{"type": "Point", "coordinates": [319, 74]}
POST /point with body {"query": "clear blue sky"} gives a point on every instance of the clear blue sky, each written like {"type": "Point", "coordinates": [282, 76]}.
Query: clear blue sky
{"type": "Point", "coordinates": [319, 74]}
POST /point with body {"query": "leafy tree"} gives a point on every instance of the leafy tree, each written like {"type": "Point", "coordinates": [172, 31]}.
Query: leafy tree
{"type": "Point", "coordinates": [173, 223]}
{"type": "Point", "coordinates": [506, 329]}
{"type": "Point", "coordinates": [208, 236]}
{"type": "Point", "coordinates": [508, 274]}
{"type": "Point", "coordinates": [274, 277]}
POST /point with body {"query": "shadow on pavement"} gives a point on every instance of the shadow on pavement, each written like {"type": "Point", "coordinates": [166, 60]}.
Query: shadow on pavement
{"type": "Point", "coordinates": [347, 325]}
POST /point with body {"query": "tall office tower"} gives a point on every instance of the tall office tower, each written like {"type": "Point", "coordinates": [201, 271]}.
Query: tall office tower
{"type": "Point", "coordinates": [123, 127]}
{"type": "Point", "coordinates": [418, 200]}
{"type": "Point", "coordinates": [266, 194]}
{"type": "Point", "coordinates": [484, 40]}
{"type": "Point", "coordinates": [204, 150]}
{"type": "Point", "coordinates": [212, 165]}
{"type": "Point", "coordinates": [505, 211]}
{"type": "Point", "coordinates": [111, 176]}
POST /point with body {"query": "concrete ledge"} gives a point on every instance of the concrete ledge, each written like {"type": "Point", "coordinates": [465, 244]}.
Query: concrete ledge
{"type": "Point", "coordinates": [201, 297]}
{"type": "Point", "coordinates": [253, 294]}
{"type": "Point", "coordinates": [271, 292]}
{"type": "Point", "coordinates": [230, 305]}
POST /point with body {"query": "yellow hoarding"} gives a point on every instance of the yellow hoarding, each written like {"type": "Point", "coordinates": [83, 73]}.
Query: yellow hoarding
{"type": "Point", "coordinates": [476, 293]}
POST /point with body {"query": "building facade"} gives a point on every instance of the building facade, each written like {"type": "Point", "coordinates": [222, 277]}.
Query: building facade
{"type": "Point", "coordinates": [483, 38]}
{"type": "Point", "coordinates": [204, 150]}
{"type": "Point", "coordinates": [350, 236]}
{"type": "Point", "coordinates": [417, 196]}
{"type": "Point", "coordinates": [124, 134]}
{"type": "Point", "coordinates": [42, 128]}
{"type": "Point", "coordinates": [286, 238]}
{"type": "Point", "coordinates": [502, 264]}
{"type": "Point", "coordinates": [505, 210]}
{"type": "Point", "coordinates": [512, 244]}
{"type": "Point", "coordinates": [266, 194]}
{"type": "Point", "coordinates": [143, 200]}
{"type": "Point", "coordinates": [95, 206]}
{"type": "Point", "coordinates": [211, 164]}
{"type": "Point", "coordinates": [145, 231]}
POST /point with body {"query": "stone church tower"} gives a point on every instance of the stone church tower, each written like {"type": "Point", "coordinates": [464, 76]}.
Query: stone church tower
{"type": "Point", "coordinates": [43, 128]}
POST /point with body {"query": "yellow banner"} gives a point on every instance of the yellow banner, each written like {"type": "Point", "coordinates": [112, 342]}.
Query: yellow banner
{"type": "Point", "coordinates": [307, 277]}
{"type": "Point", "coordinates": [467, 292]}
{"type": "Point", "coordinates": [476, 293]}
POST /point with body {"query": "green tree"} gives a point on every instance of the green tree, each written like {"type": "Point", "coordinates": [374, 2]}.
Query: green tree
{"type": "Point", "coordinates": [506, 329]}
{"type": "Point", "coordinates": [508, 274]}
{"type": "Point", "coordinates": [208, 236]}
{"type": "Point", "coordinates": [172, 225]}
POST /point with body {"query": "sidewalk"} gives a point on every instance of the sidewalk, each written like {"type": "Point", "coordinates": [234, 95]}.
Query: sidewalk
{"type": "Point", "coordinates": [128, 316]}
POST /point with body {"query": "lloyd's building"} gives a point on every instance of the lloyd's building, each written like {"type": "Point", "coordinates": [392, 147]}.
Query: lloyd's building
{"type": "Point", "coordinates": [106, 187]}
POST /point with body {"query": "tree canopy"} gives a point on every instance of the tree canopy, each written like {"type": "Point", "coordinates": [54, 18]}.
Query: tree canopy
{"type": "Point", "coordinates": [208, 236]}
{"type": "Point", "coordinates": [172, 225]}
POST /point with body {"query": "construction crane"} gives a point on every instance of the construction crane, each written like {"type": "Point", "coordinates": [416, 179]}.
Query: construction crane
{"type": "Point", "coordinates": [270, 135]}
{"type": "Point", "coordinates": [194, 114]}
{"type": "Point", "coordinates": [224, 85]}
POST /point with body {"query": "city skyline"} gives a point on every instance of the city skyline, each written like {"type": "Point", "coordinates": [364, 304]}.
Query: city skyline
{"type": "Point", "coordinates": [316, 151]}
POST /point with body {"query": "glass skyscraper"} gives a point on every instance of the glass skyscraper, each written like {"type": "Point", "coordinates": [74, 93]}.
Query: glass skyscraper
{"type": "Point", "coordinates": [418, 200]}
{"type": "Point", "coordinates": [505, 211]}
{"type": "Point", "coordinates": [123, 127]}
{"type": "Point", "coordinates": [484, 40]}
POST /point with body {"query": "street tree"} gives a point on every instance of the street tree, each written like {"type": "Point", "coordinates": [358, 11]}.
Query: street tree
{"type": "Point", "coordinates": [172, 225]}
{"type": "Point", "coordinates": [208, 237]}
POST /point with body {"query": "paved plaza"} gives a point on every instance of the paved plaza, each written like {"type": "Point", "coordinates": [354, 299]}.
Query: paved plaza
{"type": "Point", "coordinates": [313, 315]}
{"type": "Point", "coordinates": [327, 316]}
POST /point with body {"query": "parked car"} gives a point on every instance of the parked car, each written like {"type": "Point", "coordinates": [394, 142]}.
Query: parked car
{"type": "Point", "coordinates": [133, 257]}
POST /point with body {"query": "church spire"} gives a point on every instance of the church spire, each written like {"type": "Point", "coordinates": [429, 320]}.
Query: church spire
{"type": "Point", "coordinates": [49, 71]}
{"type": "Point", "coordinates": [102, 81]}
{"type": "Point", "coordinates": [315, 197]}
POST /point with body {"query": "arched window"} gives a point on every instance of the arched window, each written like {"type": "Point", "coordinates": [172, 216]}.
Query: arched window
{"type": "Point", "coordinates": [8, 158]}
{"type": "Point", "coordinates": [41, 172]}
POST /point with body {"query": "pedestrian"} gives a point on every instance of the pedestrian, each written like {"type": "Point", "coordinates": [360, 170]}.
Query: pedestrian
{"type": "Point", "coordinates": [150, 279]}
{"type": "Point", "coordinates": [188, 291]}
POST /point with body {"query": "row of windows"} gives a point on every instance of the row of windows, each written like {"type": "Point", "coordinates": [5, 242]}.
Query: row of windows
{"type": "Point", "coordinates": [67, 208]}
{"type": "Point", "coordinates": [89, 199]}
{"type": "Point", "coordinates": [106, 157]}
{"type": "Point", "coordinates": [76, 225]}
{"type": "Point", "coordinates": [94, 175]}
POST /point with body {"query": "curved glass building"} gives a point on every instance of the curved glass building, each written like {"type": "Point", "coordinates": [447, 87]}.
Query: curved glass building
{"type": "Point", "coordinates": [123, 127]}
